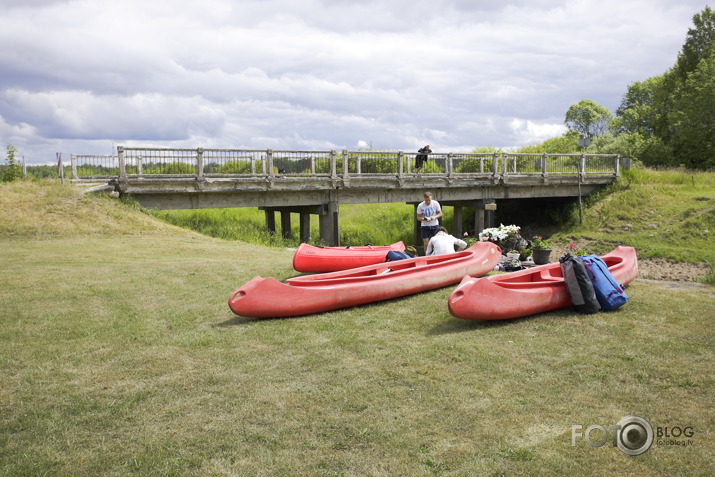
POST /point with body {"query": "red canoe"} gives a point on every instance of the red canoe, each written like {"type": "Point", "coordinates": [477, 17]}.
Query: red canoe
{"type": "Point", "coordinates": [303, 295]}
{"type": "Point", "coordinates": [312, 259]}
{"type": "Point", "coordinates": [530, 291]}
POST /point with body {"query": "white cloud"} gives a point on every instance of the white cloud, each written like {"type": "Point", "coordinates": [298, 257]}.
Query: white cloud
{"type": "Point", "coordinates": [322, 74]}
{"type": "Point", "coordinates": [530, 132]}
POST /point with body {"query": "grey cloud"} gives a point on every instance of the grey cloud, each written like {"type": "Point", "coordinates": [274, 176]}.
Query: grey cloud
{"type": "Point", "coordinates": [324, 74]}
{"type": "Point", "coordinates": [83, 115]}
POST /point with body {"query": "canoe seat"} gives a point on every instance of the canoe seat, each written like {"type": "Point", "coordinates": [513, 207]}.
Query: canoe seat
{"type": "Point", "coordinates": [547, 276]}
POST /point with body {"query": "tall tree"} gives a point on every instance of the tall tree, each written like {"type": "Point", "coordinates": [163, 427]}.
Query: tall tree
{"type": "Point", "coordinates": [588, 118]}
{"type": "Point", "coordinates": [698, 43]}
{"type": "Point", "coordinates": [672, 113]}
{"type": "Point", "coordinates": [693, 117]}
{"type": "Point", "coordinates": [690, 111]}
{"type": "Point", "coordinates": [640, 111]}
{"type": "Point", "coordinates": [566, 144]}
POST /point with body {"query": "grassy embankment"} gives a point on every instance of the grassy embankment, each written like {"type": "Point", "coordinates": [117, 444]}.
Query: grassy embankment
{"type": "Point", "coordinates": [663, 214]}
{"type": "Point", "coordinates": [120, 357]}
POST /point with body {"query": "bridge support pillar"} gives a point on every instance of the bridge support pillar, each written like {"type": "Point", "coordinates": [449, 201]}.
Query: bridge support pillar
{"type": "Point", "coordinates": [285, 224]}
{"type": "Point", "coordinates": [270, 220]}
{"type": "Point", "coordinates": [457, 221]}
{"type": "Point", "coordinates": [328, 220]}
{"type": "Point", "coordinates": [304, 227]}
{"type": "Point", "coordinates": [488, 210]}
{"type": "Point", "coordinates": [327, 215]}
{"type": "Point", "coordinates": [478, 218]}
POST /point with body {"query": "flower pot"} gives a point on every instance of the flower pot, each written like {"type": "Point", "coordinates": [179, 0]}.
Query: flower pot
{"type": "Point", "coordinates": [541, 256]}
{"type": "Point", "coordinates": [513, 256]}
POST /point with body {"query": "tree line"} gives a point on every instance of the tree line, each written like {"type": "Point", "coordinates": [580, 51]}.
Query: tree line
{"type": "Point", "coordinates": [667, 120]}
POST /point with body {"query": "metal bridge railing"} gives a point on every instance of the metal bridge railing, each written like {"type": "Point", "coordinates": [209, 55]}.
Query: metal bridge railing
{"type": "Point", "coordinates": [564, 164]}
{"type": "Point", "coordinates": [87, 166]}
{"type": "Point", "coordinates": [253, 163]}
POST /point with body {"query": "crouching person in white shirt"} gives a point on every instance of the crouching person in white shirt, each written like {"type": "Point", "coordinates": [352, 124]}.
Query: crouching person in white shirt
{"type": "Point", "coordinates": [443, 243]}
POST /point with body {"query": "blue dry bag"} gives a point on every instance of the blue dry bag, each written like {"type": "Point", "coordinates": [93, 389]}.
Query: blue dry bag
{"type": "Point", "coordinates": [609, 293]}
{"type": "Point", "coordinates": [393, 255]}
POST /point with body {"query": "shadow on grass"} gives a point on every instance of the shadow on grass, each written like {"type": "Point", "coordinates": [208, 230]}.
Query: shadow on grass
{"type": "Point", "coordinates": [457, 325]}
{"type": "Point", "coordinates": [243, 320]}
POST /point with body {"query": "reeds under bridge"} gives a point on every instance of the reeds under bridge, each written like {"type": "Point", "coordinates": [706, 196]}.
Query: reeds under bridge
{"type": "Point", "coordinates": [317, 182]}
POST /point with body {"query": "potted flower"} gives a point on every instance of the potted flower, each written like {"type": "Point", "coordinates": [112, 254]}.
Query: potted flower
{"type": "Point", "coordinates": [505, 236]}
{"type": "Point", "coordinates": [579, 252]}
{"type": "Point", "coordinates": [541, 250]}
{"type": "Point", "coordinates": [513, 254]}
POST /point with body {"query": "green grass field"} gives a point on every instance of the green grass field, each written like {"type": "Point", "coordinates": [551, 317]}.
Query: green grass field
{"type": "Point", "coordinates": [120, 357]}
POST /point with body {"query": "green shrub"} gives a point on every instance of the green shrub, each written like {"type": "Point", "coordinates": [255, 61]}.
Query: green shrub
{"type": "Point", "coordinates": [170, 168]}
{"type": "Point", "coordinates": [13, 171]}
{"type": "Point", "coordinates": [235, 167]}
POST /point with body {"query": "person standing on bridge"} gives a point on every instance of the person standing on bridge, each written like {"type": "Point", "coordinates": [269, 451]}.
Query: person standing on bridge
{"type": "Point", "coordinates": [428, 213]}
{"type": "Point", "coordinates": [443, 243]}
{"type": "Point", "coordinates": [421, 158]}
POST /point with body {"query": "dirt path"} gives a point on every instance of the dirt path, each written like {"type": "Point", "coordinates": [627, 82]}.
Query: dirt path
{"type": "Point", "coordinates": [658, 268]}
{"type": "Point", "coordinates": [661, 269]}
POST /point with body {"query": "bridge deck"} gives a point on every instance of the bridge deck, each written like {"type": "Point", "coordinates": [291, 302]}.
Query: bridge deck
{"type": "Point", "coordinates": [316, 182]}
{"type": "Point", "coordinates": [288, 191]}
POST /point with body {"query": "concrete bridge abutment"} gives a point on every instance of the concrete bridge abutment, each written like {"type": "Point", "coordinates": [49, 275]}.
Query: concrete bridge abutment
{"type": "Point", "coordinates": [327, 221]}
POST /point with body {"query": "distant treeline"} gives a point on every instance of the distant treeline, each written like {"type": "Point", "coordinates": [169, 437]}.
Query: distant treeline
{"type": "Point", "coordinates": [663, 121]}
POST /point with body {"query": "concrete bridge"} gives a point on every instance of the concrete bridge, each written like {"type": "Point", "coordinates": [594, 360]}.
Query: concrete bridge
{"type": "Point", "coordinates": [317, 182]}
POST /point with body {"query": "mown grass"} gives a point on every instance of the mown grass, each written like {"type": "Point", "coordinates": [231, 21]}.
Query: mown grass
{"type": "Point", "coordinates": [120, 357]}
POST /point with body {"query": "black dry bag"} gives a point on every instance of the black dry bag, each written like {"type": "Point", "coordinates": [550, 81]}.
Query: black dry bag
{"type": "Point", "coordinates": [579, 284]}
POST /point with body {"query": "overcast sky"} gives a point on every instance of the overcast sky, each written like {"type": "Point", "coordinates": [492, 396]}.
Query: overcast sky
{"type": "Point", "coordinates": [82, 77]}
